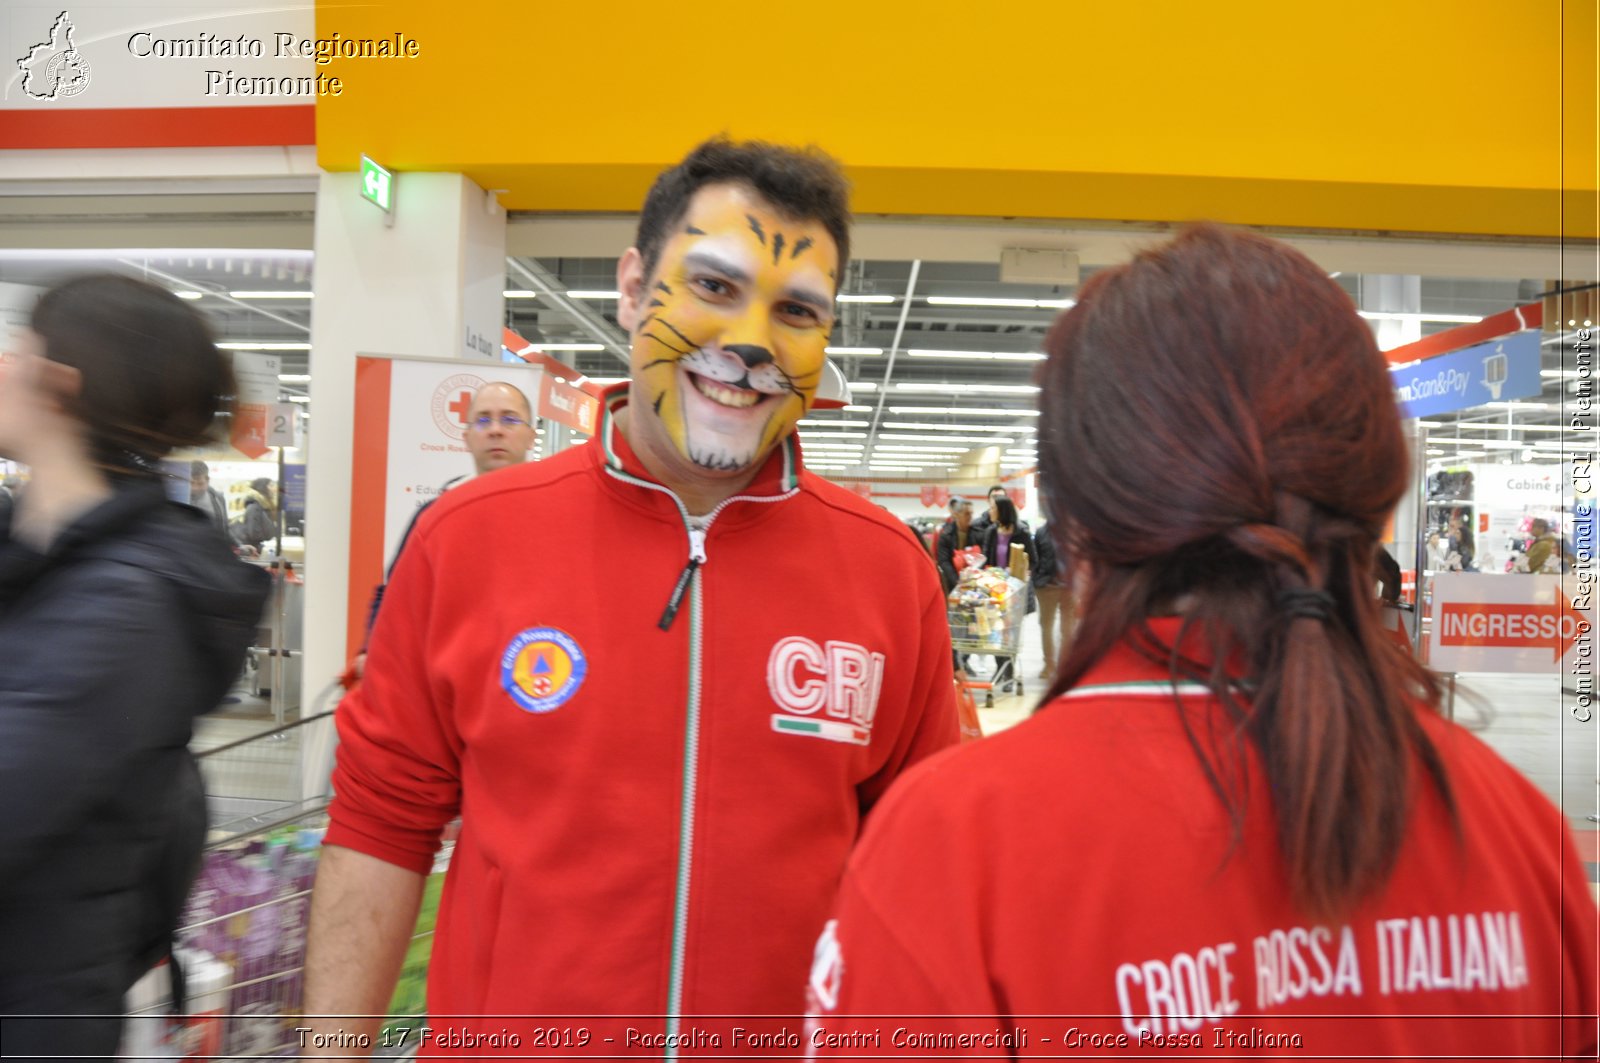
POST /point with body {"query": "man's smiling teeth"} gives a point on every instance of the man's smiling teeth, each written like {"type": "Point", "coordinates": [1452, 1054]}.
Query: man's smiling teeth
{"type": "Point", "coordinates": [723, 395]}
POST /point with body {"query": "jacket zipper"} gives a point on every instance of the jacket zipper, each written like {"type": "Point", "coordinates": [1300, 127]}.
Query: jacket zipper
{"type": "Point", "coordinates": [697, 557]}
{"type": "Point", "coordinates": [688, 584]}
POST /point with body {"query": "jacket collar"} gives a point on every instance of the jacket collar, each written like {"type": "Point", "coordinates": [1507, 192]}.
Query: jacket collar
{"type": "Point", "coordinates": [1141, 657]}
{"type": "Point", "coordinates": [779, 474]}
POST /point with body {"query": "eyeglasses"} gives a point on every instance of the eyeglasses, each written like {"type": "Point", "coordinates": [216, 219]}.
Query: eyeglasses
{"type": "Point", "coordinates": [484, 421]}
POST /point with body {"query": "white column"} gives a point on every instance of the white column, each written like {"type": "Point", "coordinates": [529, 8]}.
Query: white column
{"type": "Point", "coordinates": [1393, 293]}
{"type": "Point", "coordinates": [429, 284]}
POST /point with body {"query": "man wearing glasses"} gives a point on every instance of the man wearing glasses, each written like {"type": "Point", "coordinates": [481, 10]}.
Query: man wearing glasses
{"type": "Point", "coordinates": [499, 428]}
{"type": "Point", "coordinates": [499, 433]}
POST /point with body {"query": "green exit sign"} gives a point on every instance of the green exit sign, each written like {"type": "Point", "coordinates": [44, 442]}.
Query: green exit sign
{"type": "Point", "coordinates": [377, 185]}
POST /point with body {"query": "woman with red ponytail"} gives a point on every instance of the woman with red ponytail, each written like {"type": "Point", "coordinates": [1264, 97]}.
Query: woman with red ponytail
{"type": "Point", "coordinates": [1238, 823]}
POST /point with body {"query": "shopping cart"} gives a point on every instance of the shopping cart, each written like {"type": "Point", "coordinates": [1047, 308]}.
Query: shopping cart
{"type": "Point", "coordinates": [242, 936]}
{"type": "Point", "coordinates": [986, 611]}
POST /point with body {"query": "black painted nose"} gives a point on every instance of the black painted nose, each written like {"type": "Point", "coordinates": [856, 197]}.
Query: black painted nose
{"type": "Point", "coordinates": [750, 354]}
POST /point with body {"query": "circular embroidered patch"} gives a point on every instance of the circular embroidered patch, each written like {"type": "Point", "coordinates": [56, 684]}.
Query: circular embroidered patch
{"type": "Point", "coordinates": [542, 668]}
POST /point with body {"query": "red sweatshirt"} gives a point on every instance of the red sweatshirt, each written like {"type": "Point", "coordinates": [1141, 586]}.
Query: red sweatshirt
{"type": "Point", "coordinates": [1078, 865]}
{"type": "Point", "coordinates": [660, 766]}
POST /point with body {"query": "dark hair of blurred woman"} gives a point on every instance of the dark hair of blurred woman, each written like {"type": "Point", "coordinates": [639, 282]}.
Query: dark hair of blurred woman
{"type": "Point", "coordinates": [152, 380]}
{"type": "Point", "coordinates": [1292, 459]}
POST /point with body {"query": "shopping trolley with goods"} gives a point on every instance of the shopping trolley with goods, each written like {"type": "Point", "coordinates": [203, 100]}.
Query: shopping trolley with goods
{"type": "Point", "coordinates": [242, 937]}
{"type": "Point", "coordinates": [986, 612]}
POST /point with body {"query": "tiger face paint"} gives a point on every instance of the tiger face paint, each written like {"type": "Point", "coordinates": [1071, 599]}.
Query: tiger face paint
{"type": "Point", "coordinates": [728, 334]}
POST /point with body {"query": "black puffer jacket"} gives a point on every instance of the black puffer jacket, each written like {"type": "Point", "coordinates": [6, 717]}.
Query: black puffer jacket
{"type": "Point", "coordinates": [135, 621]}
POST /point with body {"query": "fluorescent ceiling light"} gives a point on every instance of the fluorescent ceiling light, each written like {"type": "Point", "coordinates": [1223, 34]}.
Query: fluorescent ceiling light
{"type": "Point", "coordinates": [814, 445]}
{"type": "Point", "coordinates": [810, 423]}
{"type": "Point", "coordinates": [924, 448]}
{"type": "Point", "coordinates": [865, 298]}
{"type": "Point", "coordinates": [852, 350]}
{"type": "Point", "coordinates": [594, 295]}
{"type": "Point", "coordinates": [859, 385]}
{"type": "Point", "coordinates": [270, 295]}
{"type": "Point", "coordinates": [920, 426]}
{"type": "Point", "coordinates": [969, 389]}
{"type": "Point", "coordinates": [1497, 444]}
{"type": "Point", "coordinates": [1484, 426]}
{"type": "Point", "coordinates": [912, 437]}
{"type": "Point", "coordinates": [519, 293]}
{"type": "Point", "coordinates": [1564, 374]}
{"type": "Point", "coordinates": [965, 411]}
{"type": "Point", "coordinates": [812, 433]}
{"type": "Point", "coordinates": [299, 398]}
{"type": "Point", "coordinates": [1021, 304]}
{"type": "Point", "coordinates": [189, 294]}
{"type": "Point", "coordinates": [1396, 315]}
{"type": "Point", "coordinates": [250, 345]}
{"type": "Point", "coordinates": [979, 356]}
{"type": "Point", "coordinates": [605, 381]}
{"type": "Point", "coordinates": [569, 346]}
{"type": "Point", "coordinates": [294, 378]}
{"type": "Point", "coordinates": [1520, 405]}
{"type": "Point", "coordinates": [858, 409]}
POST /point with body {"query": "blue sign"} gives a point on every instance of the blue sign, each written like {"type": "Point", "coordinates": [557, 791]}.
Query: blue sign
{"type": "Point", "coordinates": [294, 489]}
{"type": "Point", "coordinates": [1493, 371]}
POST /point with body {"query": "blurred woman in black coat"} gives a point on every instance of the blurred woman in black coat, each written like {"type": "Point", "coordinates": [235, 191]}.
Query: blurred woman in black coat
{"type": "Point", "coordinates": [122, 615]}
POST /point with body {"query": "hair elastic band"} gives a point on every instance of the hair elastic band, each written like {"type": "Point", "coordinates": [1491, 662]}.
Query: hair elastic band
{"type": "Point", "coordinates": [1306, 603]}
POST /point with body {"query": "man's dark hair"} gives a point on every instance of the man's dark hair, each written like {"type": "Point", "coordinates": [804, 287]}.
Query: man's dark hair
{"type": "Point", "coordinates": [998, 487]}
{"type": "Point", "coordinates": [199, 468]}
{"type": "Point", "coordinates": [804, 185]}
{"type": "Point", "coordinates": [153, 380]}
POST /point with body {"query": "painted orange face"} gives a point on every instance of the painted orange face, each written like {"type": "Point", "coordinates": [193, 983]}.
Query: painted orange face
{"type": "Point", "coordinates": [729, 343]}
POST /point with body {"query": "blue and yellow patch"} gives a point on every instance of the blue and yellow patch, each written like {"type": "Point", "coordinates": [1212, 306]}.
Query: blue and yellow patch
{"type": "Point", "coordinates": [542, 668]}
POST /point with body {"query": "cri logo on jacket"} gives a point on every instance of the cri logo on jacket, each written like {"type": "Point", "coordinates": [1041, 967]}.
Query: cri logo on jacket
{"type": "Point", "coordinates": [828, 691]}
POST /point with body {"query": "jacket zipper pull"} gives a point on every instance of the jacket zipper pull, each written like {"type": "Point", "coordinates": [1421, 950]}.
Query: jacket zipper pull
{"type": "Point", "coordinates": [697, 557]}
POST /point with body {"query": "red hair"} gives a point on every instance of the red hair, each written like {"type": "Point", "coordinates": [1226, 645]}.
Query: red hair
{"type": "Point", "coordinates": [1219, 437]}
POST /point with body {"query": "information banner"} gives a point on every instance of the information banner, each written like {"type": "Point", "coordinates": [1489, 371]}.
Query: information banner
{"type": "Point", "coordinates": [256, 376]}
{"type": "Point", "coordinates": [1509, 623]}
{"type": "Point", "coordinates": [564, 404]}
{"type": "Point", "coordinates": [1496, 371]}
{"type": "Point", "coordinates": [409, 429]}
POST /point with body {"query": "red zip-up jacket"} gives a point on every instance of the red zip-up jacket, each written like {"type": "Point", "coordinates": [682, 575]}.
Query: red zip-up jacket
{"type": "Point", "coordinates": [1070, 887]}
{"type": "Point", "coordinates": [661, 741]}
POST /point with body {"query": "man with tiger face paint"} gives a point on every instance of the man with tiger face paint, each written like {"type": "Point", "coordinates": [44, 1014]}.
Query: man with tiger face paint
{"type": "Point", "coordinates": [665, 766]}
{"type": "Point", "coordinates": [729, 326]}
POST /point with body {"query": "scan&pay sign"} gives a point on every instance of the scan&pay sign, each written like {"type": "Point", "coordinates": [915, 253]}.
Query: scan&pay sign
{"type": "Point", "coordinates": [1505, 623]}
{"type": "Point", "coordinates": [1498, 370]}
